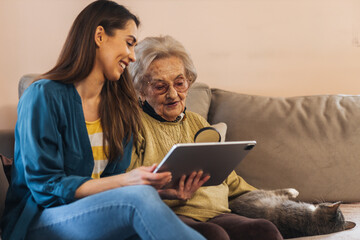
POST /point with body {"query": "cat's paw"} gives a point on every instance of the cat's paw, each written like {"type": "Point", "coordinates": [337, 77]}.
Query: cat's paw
{"type": "Point", "coordinates": [291, 192]}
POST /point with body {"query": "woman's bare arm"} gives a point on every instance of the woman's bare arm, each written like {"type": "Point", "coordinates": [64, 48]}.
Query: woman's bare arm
{"type": "Point", "coordinates": [138, 176]}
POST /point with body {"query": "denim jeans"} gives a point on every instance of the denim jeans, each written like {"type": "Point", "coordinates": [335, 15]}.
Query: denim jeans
{"type": "Point", "coordinates": [134, 212]}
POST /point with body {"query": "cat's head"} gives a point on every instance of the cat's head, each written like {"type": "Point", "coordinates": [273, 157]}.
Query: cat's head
{"type": "Point", "coordinates": [330, 218]}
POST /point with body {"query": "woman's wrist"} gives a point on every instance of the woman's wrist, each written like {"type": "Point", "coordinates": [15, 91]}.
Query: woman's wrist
{"type": "Point", "coordinates": [94, 186]}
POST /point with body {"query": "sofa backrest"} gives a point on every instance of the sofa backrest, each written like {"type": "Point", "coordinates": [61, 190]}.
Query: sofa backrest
{"type": "Point", "coordinates": [25, 81]}
{"type": "Point", "coordinates": [310, 143]}
{"type": "Point", "coordinates": [199, 99]}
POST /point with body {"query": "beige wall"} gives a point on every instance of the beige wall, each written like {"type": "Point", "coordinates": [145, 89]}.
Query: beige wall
{"type": "Point", "coordinates": [265, 47]}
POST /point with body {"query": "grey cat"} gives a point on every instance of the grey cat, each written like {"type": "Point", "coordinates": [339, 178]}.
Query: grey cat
{"type": "Point", "coordinates": [293, 219]}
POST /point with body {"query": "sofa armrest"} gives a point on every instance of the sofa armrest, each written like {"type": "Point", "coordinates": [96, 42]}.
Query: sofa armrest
{"type": "Point", "coordinates": [4, 184]}
{"type": "Point", "coordinates": [7, 141]}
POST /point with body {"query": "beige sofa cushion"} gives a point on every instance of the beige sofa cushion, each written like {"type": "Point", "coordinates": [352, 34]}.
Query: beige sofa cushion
{"type": "Point", "coordinates": [199, 99]}
{"type": "Point", "coordinates": [221, 127]}
{"type": "Point", "coordinates": [309, 143]}
{"type": "Point", "coordinates": [25, 81]}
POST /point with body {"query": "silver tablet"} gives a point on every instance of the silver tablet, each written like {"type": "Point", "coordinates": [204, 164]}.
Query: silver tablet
{"type": "Point", "coordinates": [218, 159]}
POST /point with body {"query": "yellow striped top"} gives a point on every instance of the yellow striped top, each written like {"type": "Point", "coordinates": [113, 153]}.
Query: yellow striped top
{"type": "Point", "coordinates": [95, 133]}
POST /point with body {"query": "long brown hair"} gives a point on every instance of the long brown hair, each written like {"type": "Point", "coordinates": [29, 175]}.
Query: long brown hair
{"type": "Point", "coordinates": [118, 108]}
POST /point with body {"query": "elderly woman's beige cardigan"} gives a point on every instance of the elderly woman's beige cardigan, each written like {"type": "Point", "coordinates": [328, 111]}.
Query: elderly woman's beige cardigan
{"type": "Point", "coordinates": [156, 140]}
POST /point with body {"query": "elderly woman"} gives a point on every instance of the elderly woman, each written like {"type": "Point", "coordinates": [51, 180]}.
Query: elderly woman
{"type": "Point", "coordinates": [162, 76]}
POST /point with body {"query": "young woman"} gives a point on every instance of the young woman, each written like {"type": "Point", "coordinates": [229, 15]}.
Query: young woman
{"type": "Point", "coordinates": [74, 139]}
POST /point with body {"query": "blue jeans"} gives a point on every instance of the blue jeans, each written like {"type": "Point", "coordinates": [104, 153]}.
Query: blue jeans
{"type": "Point", "coordinates": [132, 212]}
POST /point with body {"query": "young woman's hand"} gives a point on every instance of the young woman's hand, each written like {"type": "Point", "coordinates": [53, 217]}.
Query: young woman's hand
{"type": "Point", "coordinates": [187, 187]}
{"type": "Point", "coordinates": [138, 176]}
{"type": "Point", "coordinates": [145, 176]}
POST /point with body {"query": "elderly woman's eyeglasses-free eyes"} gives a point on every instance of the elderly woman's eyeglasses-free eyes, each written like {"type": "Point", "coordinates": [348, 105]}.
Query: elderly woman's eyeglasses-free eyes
{"type": "Point", "coordinates": [160, 87]}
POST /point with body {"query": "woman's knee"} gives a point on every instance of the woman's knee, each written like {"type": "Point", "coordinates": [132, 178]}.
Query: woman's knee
{"type": "Point", "coordinates": [137, 192]}
{"type": "Point", "coordinates": [210, 231]}
{"type": "Point", "coordinates": [141, 196]}
{"type": "Point", "coordinates": [140, 191]}
{"type": "Point", "coordinates": [136, 196]}
{"type": "Point", "coordinates": [266, 229]}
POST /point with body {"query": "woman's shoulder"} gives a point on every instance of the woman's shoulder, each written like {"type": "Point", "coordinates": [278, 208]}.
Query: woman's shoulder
{"type": "Point", "coordinates": [145, 118]}
{"type": "Point", "coordinates": [47, 88]}
{"type": "Point", "coordinates": [195, 117]}
{"type": "Point", "coordinates": [48, 85]}
{"type": "Point", "coordinates": [193, 114]}
{"type": "Point", "coordinates": [48, 94]}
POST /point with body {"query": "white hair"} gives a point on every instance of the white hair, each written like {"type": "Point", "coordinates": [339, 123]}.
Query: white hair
{"type": "Point", "coordinates": [152, 48]}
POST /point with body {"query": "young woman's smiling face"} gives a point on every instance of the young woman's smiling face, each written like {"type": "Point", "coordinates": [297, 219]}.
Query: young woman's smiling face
{"type": "Point", "coordinates": [114, 53]}
{"type": "Point", "coordinates": [167, 88]}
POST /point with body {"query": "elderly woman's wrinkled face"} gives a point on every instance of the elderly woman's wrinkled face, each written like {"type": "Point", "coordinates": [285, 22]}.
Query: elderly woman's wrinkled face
{"type": "Point", "coordinates": [167, 87]}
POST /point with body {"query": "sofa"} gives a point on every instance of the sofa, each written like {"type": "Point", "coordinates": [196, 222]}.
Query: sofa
{"type": "Point", "coordinates": [309, 143]}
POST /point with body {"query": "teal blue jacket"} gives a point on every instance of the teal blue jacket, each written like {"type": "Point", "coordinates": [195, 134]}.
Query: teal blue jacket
{"type": "Point", "coordinates": [53, 155]}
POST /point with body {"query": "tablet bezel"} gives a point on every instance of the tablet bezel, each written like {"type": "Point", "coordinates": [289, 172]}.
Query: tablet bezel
{"type": "Point", "coordinates": [218, 159]}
